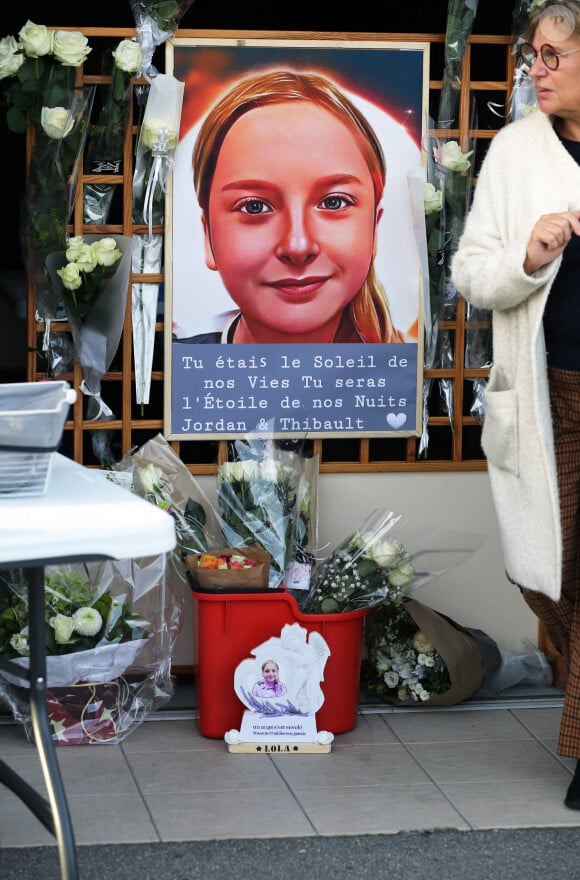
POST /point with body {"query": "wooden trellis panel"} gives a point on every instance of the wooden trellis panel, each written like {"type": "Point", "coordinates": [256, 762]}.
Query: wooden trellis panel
{"type": "Point", "coordinates": [454, 445]}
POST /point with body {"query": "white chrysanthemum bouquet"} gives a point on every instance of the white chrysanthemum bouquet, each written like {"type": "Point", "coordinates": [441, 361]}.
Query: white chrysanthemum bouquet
{"type": "Point", "coordinates": [80, 615]}
{"type": "Point", "coordinates": [108, 646]}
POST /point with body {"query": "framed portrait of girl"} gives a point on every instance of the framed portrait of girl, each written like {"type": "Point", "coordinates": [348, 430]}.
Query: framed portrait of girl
{"type": "Point", "coordinates": [293, 296]}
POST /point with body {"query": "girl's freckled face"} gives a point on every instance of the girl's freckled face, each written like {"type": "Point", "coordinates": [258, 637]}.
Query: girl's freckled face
{"type": "Point", "coordinates": [292, 219]}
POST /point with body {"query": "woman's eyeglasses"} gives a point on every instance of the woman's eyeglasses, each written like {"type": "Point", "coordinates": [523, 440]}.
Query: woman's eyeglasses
{"type": "Point", "coordinates": [548, 54]}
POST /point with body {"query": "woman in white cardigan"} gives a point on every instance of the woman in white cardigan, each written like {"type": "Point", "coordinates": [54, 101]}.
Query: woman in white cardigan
{"type": "Point", "coordinates": [519, 256]}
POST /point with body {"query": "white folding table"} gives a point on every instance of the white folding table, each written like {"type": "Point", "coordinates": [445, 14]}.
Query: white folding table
{"type": "Point", "coordinates": [81, 517]}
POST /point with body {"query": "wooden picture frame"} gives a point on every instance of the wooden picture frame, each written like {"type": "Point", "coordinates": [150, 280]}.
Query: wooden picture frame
{"type": "Point", "coordinates": [321, 387]}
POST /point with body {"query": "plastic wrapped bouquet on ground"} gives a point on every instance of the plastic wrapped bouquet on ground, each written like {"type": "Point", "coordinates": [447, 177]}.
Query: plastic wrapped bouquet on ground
{"type": "Point", "coordinates": [367, 568]}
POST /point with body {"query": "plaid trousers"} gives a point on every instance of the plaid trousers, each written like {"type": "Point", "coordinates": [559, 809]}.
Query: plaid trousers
{"type": "Point", "coordinates": [561, 619]}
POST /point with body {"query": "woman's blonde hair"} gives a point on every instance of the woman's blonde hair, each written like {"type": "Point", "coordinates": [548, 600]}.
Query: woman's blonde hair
{"type": "Point", "coordinates": [568, 15]}
{"type": "Point", "coordinates": [368, 312]}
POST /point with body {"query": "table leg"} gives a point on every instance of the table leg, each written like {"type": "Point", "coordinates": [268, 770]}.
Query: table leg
{"type": "Point", "coordinates": [63, 830]}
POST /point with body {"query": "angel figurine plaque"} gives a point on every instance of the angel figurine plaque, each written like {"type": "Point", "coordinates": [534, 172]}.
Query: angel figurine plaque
{"type": "Point", "coordinates": [281, 688]}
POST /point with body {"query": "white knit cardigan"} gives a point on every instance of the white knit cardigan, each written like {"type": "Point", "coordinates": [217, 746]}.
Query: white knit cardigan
{"type": "Point", "coordinates": [526, 172]}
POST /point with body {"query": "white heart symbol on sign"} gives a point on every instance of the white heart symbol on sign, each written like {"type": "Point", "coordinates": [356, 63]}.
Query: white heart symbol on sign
{"type": "Point", "coordinates": [396, 420]}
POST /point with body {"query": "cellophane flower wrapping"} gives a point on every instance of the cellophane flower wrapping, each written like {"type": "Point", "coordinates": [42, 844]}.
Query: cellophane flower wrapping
{"type": "Point", "coordinates": [450, 169]}
{"type": "Point", "coordinates": [444, 226]}
{"type": "Point", "coordinates": [415, 654]}
{"type": "Point", "coordinates": [106, 142]}
{"type": "Point", "coordinates": [97, 332]}
{"type": "Point", "coordinates": [426, 206]}
{"type": "Point", "coordinates": [158, 138]}
{"type": "Point", "coordinates": [156, 21]}
{"type": "Point", "coordinates": [478, 353]}
{"type": "Point", "coordinates": [453, 169]}
{"type": "Point", "coordinates": [367, 568]}
{"type": "Point", "coordinates": [52, 179]}
{"type": "Point", "coordinates": [156, 143]}
{"type": "Point", "coordinates": [156, 473]}
{"type": "Point", "coordinates": [460, 18]}
{"type": "Point", "coordinates": [40, 92]}
{"type": "Point", "coordinates": [403, 665]}
{"type": "Point", "coordinates": [266, 496]}
{"type": "Point", "coordinates": [447, 198]}
{"type": "Point", "coordinates": [385, 560]}
{"type": "Point", "coordinates": [147, 259]}
{"type": "Point", "coordinates": [523, 97]}
{"type": "Point", "coordinates": [111, 628]}
{"type": "Point", "coordinates": [299, 568]}
{"type": "Point", "coordinates": [528, 667]}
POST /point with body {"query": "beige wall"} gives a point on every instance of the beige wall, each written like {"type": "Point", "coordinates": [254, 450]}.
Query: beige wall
{"type": "Point", "coordinates": [476, 593]}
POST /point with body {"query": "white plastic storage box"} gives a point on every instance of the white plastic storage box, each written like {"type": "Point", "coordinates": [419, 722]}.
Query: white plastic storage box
{"type": "Point", "coordinates": [32, 419]}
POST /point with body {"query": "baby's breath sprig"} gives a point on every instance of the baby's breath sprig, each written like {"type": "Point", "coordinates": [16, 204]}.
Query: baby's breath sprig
{"type": "Point", "coordinates": [366, 569]}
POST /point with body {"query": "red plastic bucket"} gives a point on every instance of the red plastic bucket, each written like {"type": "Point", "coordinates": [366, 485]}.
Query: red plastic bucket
{"type": "Point", "coordinates": [230, 625]}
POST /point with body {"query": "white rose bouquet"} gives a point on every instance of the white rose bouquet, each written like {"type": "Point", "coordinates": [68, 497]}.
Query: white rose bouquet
{"type": "Point", "coordinates": [158, 138]}
{"type": "Point", "coordinates": [451, 173]}
{"type": "Point", "coordinates": [37, 71]}
{"type": "Point", "coordinates": [156, 473]}
{"type": "Point", "coordinates": [26, 64]}
{"type": "Point", "coordinates": [446, 201]}
{"type": "Point", "coordinates": [91, 278]}
{"type": "Point", "coordinates": [447, 196]}
{"type": "Point", "coordinates": [367, 568]}
{"type": "Point", "coordinates": [151, 483]}
{"type": "Point", "coordinates": [88, 268]}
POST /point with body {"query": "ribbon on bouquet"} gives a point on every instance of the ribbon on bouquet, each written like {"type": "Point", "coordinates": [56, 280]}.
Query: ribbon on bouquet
{"type": "Point", "coordinates": [104, 411]}
{"type": "Point", "coordinates": [157, 142]}
{"type": "Point", "coordinates": [160, 152]}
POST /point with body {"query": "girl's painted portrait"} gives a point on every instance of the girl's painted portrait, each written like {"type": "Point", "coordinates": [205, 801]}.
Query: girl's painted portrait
{"type": "Point", "coordinates": [291, 234]}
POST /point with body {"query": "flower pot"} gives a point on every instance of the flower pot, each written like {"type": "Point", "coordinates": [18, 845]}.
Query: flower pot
{"type": "Point", "coordinates": [230, 625]}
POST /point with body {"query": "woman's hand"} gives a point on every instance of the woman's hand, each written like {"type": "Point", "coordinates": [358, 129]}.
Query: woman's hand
{"type": "Point", "coordinates": [549, 237]}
